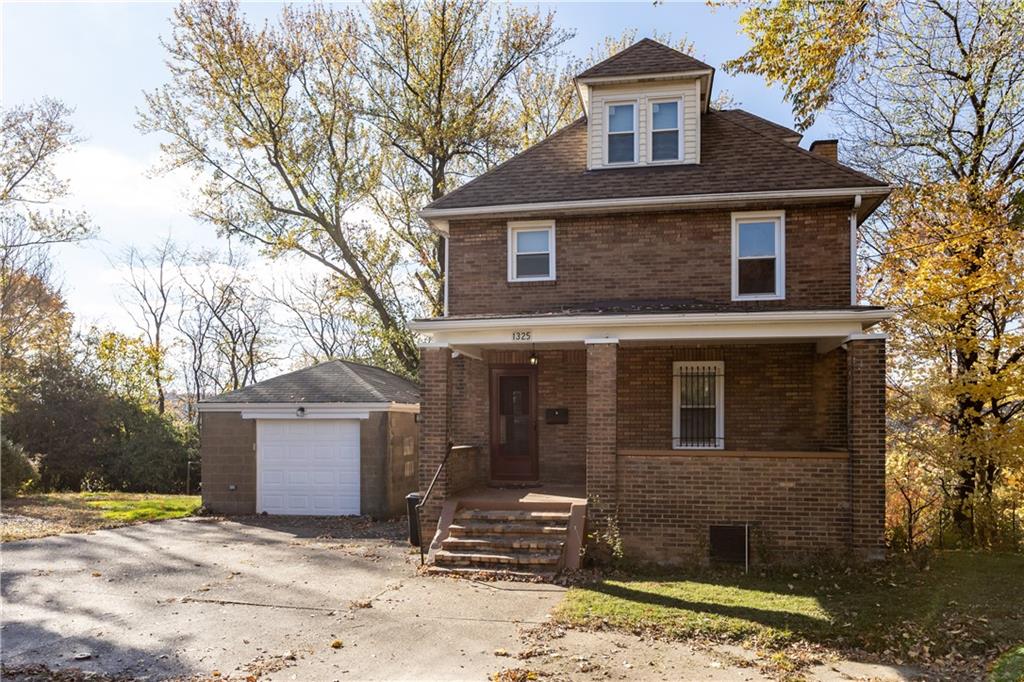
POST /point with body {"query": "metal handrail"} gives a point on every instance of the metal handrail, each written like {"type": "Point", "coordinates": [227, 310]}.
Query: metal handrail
{"type": "Point", "coordinates": [430, 488]}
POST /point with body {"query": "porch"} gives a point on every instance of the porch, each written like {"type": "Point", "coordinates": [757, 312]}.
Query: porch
{"type": "Point", "coordinates": [786, 436]}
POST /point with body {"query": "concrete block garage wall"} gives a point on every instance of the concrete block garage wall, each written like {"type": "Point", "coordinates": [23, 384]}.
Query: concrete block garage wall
{"type": "Point", "coordinates": [228, 449]}
{"type": "Point", "coordinates": [388, 462]}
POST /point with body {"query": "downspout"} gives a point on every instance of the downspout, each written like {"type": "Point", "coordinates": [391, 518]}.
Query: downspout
{"type": "Point", "coordinates": [445, 270]}
{"type": "Point", "coordinates": [854, 299]}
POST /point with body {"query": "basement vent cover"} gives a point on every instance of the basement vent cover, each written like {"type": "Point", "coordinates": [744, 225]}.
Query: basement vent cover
{"type": "Point", "coordinates": [730, 544]}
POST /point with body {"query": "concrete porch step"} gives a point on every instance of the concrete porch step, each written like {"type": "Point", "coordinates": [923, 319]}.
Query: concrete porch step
{"type": "Point", "coordinates": [445, 557]}
{"type": "Point", "coordinates": [507, 541]}
{"type": "Point", "coordinates": [515, 515]}
{"type": "Point", "coordinates": [464, 527]}
{"type": "Point", "coordinates": [531, 574]}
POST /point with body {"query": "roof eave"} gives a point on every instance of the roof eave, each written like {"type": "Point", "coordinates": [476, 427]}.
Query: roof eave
{"type": "Point", "coordinates": [438, 218]}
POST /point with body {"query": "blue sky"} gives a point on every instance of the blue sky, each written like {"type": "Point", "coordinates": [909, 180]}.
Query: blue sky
{"type": "Point", "coordinates": [100, 57]}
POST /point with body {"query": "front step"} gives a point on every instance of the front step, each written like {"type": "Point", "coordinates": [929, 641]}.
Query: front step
{"type": "Point", "coordinates": [502, 542]}
{"type": "Point", "coordinates": [505, 542]}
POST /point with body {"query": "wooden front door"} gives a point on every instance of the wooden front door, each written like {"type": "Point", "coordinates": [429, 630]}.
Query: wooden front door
{"type": "Point", "coordinates": [514, 424]}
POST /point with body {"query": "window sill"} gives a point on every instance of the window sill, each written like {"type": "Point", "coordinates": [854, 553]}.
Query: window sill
{"type": "Point", "coordinates": [734, 454]}
{"type": "Point", "coordinates": [531, 282]}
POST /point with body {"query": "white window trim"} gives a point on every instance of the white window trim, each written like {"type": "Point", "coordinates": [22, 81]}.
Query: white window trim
{"type": "Point", "coordinates": [636, 131]}
{"type": "Point", "coordinates": [652, 130]}
{"type": "Point", "coordinates": [780, 254]}
{"type": "Point", "coordinates": [530, 226]}
{"type": "Point", "coordinates": [719, 368]}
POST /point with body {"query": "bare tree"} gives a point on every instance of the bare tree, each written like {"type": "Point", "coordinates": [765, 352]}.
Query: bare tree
{"type": "Point", "coordinates": [231, 324]}
{"type": "Point", "coordinates": [150, 284]}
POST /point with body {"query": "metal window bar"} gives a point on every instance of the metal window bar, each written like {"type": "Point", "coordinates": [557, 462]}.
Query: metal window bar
{"type": "Point", "coordinates": [698, 407]}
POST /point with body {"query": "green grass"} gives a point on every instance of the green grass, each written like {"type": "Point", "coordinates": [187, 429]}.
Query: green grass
{"type": "Point", "coordinates": [129, 508]}
{"type": "Point", "coordinates": [1009, 667]}
{"type": "Point", "coordinates": [57, 513]}
{"type": "Point", "coordinates": [969, 603]}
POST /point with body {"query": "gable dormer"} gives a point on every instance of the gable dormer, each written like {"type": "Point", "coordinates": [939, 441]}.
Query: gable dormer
{"type": "Point", "coordinates": [643, 106]}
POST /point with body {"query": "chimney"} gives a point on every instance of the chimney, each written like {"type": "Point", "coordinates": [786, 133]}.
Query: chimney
{"type": "Point", "coordinates": [826, 149]}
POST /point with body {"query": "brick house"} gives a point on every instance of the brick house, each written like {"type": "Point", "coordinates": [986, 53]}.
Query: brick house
{"type": "Point", "coordinates": [652, 319]}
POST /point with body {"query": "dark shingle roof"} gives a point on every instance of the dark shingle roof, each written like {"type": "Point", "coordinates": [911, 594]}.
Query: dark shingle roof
{"type": "Point", "coordinates": [648, 307]}
{"type": "Point", "coordinates": [646, 57]}
{"type": "Point", "coordinates": [761, 125]}
{"type": "Point", "coordinates": [336, 381]}
{"type": "Point", "coordinates": [736, 156]}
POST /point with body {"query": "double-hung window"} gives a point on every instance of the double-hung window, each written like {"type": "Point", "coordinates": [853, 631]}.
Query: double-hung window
{"type": "Point", "coordinates": [666, 142]}
{"type": "Point", "coordinates": [622, 133]}
{"type": "Point", "coordinates": [758, 256]}
{"type": "Point", "coordinates": [531, 250]}
{"type": "Point", "coordinates": [698, 398]}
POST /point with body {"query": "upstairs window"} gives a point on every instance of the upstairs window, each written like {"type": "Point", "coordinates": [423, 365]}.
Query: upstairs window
{"type": "Point", "coordinates": [621, 133]}
{"type": "Point", "coordinates": [666, 142]}
{"type": "Point", "coordinates": [698, 399]}
{"type": "Point", "coordinates": [758, 256]}
{"type": "Point", "coordinates": [531, 251]}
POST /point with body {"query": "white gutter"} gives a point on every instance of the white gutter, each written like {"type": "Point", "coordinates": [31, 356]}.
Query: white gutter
{"type": "Point", "coordinates": [310, 408]}
{"type": "Point", "coordinates": [651, 319]}
{"type": "Point", "coordinates": [436, 215]}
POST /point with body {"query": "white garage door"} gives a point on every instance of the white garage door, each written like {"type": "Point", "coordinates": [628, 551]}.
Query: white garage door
{"type": "Point", "coordinates": [308, 466]}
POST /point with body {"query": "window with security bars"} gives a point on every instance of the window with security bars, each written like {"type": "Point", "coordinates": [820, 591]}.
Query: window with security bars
{"type": "Point", "coordinates": [698, 396]}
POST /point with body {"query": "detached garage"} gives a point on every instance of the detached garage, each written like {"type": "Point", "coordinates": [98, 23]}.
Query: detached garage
{"type": "Point", "coordinates": [339, 438]}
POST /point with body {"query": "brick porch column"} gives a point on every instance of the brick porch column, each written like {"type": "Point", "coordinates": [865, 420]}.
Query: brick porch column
{"type": "Point", "coordinates": [866, 366]}
{"type": "Point", "coordinates": [602, 382]}
{"type": "Point", "coordinates": [435, 417]}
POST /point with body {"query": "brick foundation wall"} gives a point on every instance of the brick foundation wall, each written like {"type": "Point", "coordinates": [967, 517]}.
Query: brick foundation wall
{"type": "Point", "coordinates": [679, 254]}
{"type": "Point", "coordinates": [776, 396]}
{"type": "Point", "coordinates": [798, 507]}
{"type": "Point", "coordinates": [228, 452]}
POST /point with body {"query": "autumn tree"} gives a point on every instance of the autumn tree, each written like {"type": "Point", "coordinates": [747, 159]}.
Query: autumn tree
{"type": "Point", "coordinates": [32, 137]}
{"type": "Point", "coordinates": [438, 80]}
{"type": "Point", "coordinates": [930, 96]}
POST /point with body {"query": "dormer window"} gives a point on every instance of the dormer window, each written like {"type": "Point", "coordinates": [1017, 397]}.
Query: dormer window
{"type": "Point", "coordinates": [666, 142]}
{"type": "Point", "coordinates": [622, 132]}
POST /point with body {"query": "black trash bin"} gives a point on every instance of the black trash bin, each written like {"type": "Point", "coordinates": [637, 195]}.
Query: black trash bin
{"type": "Point", "coordinates": [412, 501]}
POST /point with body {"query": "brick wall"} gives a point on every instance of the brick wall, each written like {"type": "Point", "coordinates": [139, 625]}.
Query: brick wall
{"type": "Point", "coordinates": [867, 444]}
{"type": "Point", "coordinates": [681, 254]}
{"type": "Point", "coordinates": [798, 507]}
{"type": "Point", "coordinates": [228, 451]}
{"type": "Point", "coordinates": [776, 396]}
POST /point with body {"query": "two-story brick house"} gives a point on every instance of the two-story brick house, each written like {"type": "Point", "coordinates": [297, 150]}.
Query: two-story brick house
{"type": "Point", "coordinates": [652, 315]}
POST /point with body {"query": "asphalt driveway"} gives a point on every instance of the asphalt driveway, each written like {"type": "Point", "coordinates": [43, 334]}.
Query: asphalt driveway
{"type": "Point", "coordinates": [268, 598]}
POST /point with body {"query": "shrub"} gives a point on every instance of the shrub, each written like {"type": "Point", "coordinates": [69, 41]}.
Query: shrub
{"type": "Point", "coordinates": [18, 472]}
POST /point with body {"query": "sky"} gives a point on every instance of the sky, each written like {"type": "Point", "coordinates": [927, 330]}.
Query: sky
{"type": "Point", "coordinates": [99, 58]}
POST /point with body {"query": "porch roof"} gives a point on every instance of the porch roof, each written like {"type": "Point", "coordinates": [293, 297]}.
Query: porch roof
{"type": "Point", "coordinates": [827, 328]}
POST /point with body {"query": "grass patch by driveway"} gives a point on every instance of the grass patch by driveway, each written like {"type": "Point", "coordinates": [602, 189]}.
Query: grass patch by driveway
{"type": "Point", "coordinates": [965, 605]}
{"type": "Point", "coordinates": [33, 516]}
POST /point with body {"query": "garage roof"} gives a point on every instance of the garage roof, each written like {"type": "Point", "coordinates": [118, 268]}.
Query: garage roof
{"type": "Point", "coordinates": [335, 381]}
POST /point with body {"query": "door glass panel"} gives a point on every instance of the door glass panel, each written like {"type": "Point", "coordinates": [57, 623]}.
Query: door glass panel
{"type": "Point", "coordinates": [515, 415]}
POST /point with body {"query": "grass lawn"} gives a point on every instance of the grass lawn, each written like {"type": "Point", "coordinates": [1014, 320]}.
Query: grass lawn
{"type": "Point", "coordinates": [31, 516]}
{"type": "Point", "coordinates": [964, 605]}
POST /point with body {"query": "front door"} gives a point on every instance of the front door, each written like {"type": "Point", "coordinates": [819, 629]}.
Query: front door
{"type": "Point", "coordinates": [514, 424]}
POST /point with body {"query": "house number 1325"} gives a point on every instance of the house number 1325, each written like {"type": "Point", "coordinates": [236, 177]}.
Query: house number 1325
{"type": "Point", "coordinates": [522, 335]}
